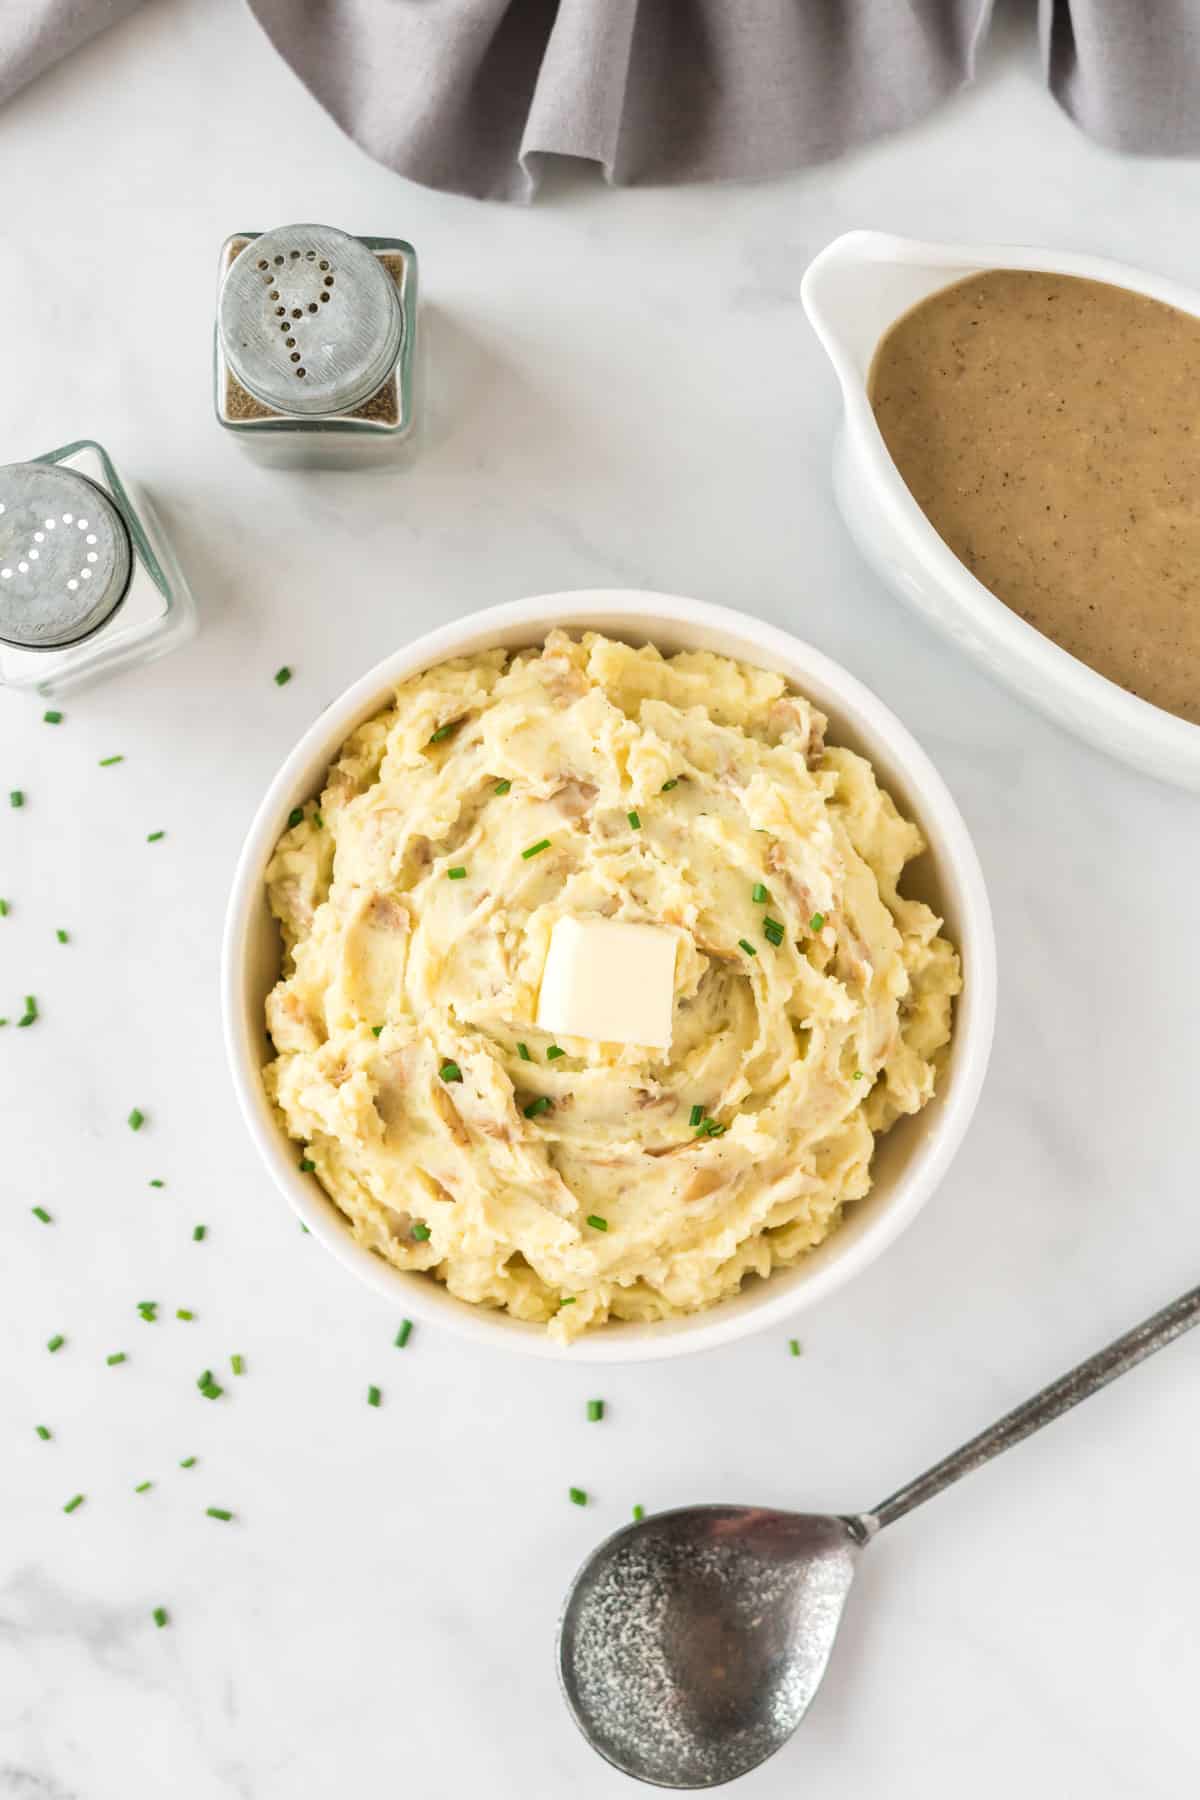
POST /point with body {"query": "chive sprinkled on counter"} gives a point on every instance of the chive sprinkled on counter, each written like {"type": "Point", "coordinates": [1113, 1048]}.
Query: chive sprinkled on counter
{"type": "Point", "coordinates": [218, 1512]}
{"type": "Point", "coordinates": [668, 785]}
{"type": "Point", "coordinates": [421, 1231]}
{"type": "Point", "coordinates": [457, 874]}
{"type": "Point", "coordinates": [695, 1116]}
{"type": "Point", "coordinates": [185, 1313]}
{"type": "Point", "coordinates": [136, 1120]}
{"type": "Point", "coordinates": [61, 935]}
{"type": "Point", "coordinates": [744, 944]}
{"type": "Point", "coordinates": [3, 909]}
{"type": "Point", "coordinates": [502, 787]}
{"type": "Point", "coordinates": [198, 1233]}
{"type": "Point", "coordinates": [794, 1346]}
{"type": "Point", "coordinates": [237, 1363]}
{"type": "Point", "coordinates": [373, 1396]}
{"type": "Point", "coordinates": [152, 837]}
{"type": "Point", "coordinates": [157, 1183]}
{"type": "Point", "coordinates": [639, 1513]}
{"type": "Point", "coordinates": [53, 718]}
{"type": "Point", "coordinates": [56, 1342]}
{"type": "Point", "coordinates": [759, 894]}
{"type": "Point", "coordinates": [118, 1356]}
{"type": "Point", "coordinates": [283, 676]}
{"type": "Point", "coordinates": [634, 820]}
{"type": "Point", "coordinates": [595, 1411]}
{"type": "Point", "coordinates": [16, 798]}
{"type": "Point", "coordinates": [596, 1222]}
{"type": "Point", "coordinates": [295, 817]}
{"type": "Point", "coordinates": [536, 1107]}
{"type": "Point", "coordinates": [39, 1212]}
{"type": "Point", "coordinates": [577, 1496]}
{"type": "Point", "coordinates": [76, 1501]}
{"type": "Point", "coordinates": [554, 1052]}
{"type": "Point", "coordinates": [450, 1071]}
{"type": "Point", "coordinates": [160, 1616]}
{"type": "Point", "coordinates": [143, 1487]}
{"type": "Point", "coordinates": [535, 849]}
{"type": "Point", "coordinates": [43, 1432]}
{"type": "Point", "coordinates": [106, 762]}
{"type": "Point", "coordinates": [148, 1310]}
{"type": "Point", "coordinates": [773, 931]}
{"type": "Point", "coordinates": [402, 1336]}
{"type": "Point", "coordinates": [29, 1016]}
{"type": "Point", "coordinates": [523, 1053]}
{"type": "Point", "coordinates": [188, 1462]}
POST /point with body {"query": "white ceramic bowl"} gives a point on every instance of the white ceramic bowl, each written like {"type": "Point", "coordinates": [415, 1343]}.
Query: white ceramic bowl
{"type": "Point", "coordinates": [911, 1159]}
{"type": "Point", "coordinates": [853, 292]}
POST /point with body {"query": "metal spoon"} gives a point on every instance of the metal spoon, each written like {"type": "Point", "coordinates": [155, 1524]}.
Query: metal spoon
{"type": "Point", "coordinates": [691, 1644]}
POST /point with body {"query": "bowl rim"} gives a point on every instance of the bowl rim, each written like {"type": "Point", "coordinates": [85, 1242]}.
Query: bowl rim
{"type": "Point", "coordinates": [646, 614]}
{"type": "Point", "coordinates": [1003, 631]}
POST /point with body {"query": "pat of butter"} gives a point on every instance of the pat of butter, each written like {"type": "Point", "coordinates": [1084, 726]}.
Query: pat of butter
{"type": "Point", "coordinates": [609, 979]}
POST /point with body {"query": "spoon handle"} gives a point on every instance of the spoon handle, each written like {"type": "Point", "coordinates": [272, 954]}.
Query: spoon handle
{"type": "Point", "coordinates": [1151, 1335]}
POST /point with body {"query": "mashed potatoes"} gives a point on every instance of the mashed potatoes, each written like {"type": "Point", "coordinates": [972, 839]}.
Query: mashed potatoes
{"type": "Point", "coordinates": [408, 1062]}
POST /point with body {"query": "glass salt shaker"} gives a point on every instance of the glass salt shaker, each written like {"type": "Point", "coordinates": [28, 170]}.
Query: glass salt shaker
{"type": "Point", "coordinates": [316, 345]}
{"type": "Point", "coordinates": [88, 583]}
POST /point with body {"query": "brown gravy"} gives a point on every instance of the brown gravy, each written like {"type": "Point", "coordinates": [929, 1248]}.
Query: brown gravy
{"type": "Point", "coordinates": [1049, 429]}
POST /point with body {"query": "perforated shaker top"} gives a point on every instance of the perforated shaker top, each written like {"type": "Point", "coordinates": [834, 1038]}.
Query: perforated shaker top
{"type": "Point", "coordinates": [65, 556]}
{"type": "Point", "coordinates": [309, 320]}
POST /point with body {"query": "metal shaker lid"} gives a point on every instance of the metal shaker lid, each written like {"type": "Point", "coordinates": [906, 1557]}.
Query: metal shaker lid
{"type": "Point", "coordinates": [309, 320]}
{"type": "Point", "coordinates": [65, 556]}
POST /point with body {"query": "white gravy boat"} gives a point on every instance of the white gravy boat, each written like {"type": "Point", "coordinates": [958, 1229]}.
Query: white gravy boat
{"type": "Point", "coordinates": [853, 292]}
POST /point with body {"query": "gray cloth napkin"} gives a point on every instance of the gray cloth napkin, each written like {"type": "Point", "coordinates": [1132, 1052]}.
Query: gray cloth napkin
{"type": "Point", "coordinates": [475, 95]}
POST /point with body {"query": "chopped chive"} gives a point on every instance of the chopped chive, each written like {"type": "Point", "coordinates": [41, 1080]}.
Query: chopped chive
{"type": "Point", "coordinates": [421, 1231]}
{"type": "Point", "coordinates": [450, 1071]}
{"type": "Point", "coordinates": [3, 909]}
{"type": "Point", "coordinates": [858, 1075]}
{"type": "Point", "coordinates": [198, 1233]}
{"type": "Point", "coordinates": [634, 820]}
{"type": "Point", "coordinates": [204, 1380]}
{"type": "Point", "coordinates": [16, 798]}
{"type": "Point", "coordinates": [554, 1052]}
{"type": "Point", "coordinates": [152, 837]}
{"type": "Point", "coordinates": [189, 1462]}
{"type": "Point", "coordinates": [319, 821]}
{"type": "Point", "coordinates": [53, 718]}
{"type": "Point", "coordinates": [56, 1342]}
{"type": "Point", "coordinates": [157, 1183]}
{"type": "Point", "coordinates": [537, 1107]}
{"type": "Point", "coordinates": [773, 931]}
{"type": "Point", "coordinates": [373, 1396]}
{"type": "Point", "coordinates": [143, 1487]}
{"type": "Point", "coordinates": [744, 944]}
{"type": "Point", "coordinates": [567, 1300]}
{"type": "Point", "coordinates": [695, 1116]}
{"type": "Point", "coordinates": [182, 1312]}
{"type": "Point", "coordinates": [30, 1015]}
{"type": "Point", "coordinates": [106, 762]}
{"type": "Point", "coordinates": [237, 1363]}
{"type": "Point", "coordinates": [148, 1310]}
{"type": "Point", "coordinates": [758, 893]}
{"type": "Point", "coordinates": [295, 817]}
{"type": "Point", "coordinates": [376, 1030]}
{"type": "Point", "coordinates": [72, 1504]}
{"type": "Point", "coordinates": [535, 849]}
{"type": "Point", "coordinates": [404, 1333]}
{"type": "Point", "coordinates": [578, 1496]}
{"type": "Point", "coordinates": [502, 787]}
{"type": "Point", "coordinates": [668, 785]}
{"type": "Point", "coordinates": [794, 1346]}
{"type": "Point", "coordinates": [711, 1128]}
{"type": "Point", "coordinates": [443, 731]}
{"type": "Point", "coordinates": [159, 1615]}
{"type": "Point", "coordinates": [217, 1512]}
{"type": "Point", "coordinates": [595, 1410]}
{"type": "Point", "coordinates": [39, 1212]}
{"type": "Point", "coordinates": [639, 1513]}
{"type": "Point", "coordinates": [118, 1356]}
{"type": "Point", "coordinates": [212, 1390]}
{"type": "Point", "coordinates": [61, 935]}
{"type": "Point", "coordinates": [523, 1053]}
{"type": "Point", "coordinates": [596, 1222]}
{"type": "Point", "coordinates": [816, 922]}
{"type": "Point", "coordinates": [43, 1432]}
{"type": "Point", "coordinates": [283, 676]}
{"type": "Point", "coordinates": [306, 1165]}
{"type": "Point", "coordinates": [136, 1119]}
{"type": "Point", "coordinates": [456, 874]}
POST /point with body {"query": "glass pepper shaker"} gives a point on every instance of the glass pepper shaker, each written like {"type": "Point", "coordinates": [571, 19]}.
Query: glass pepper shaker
{"type": "Point", "coordinates": [316, 345]}
{"type": "Point", "coordinates": [88, 583]}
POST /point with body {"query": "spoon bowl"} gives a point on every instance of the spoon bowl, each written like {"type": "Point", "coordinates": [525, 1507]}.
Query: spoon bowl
{"type": "Point", "coordinates": [691, 1644]}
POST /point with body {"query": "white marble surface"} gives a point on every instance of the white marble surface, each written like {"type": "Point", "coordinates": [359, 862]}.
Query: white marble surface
{"type": "Point", "coordinates": [625, 393]}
